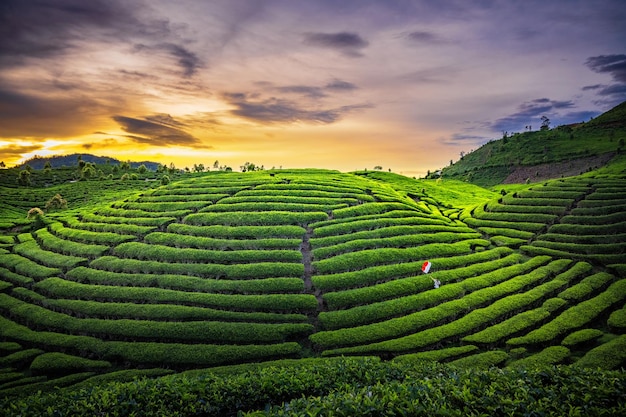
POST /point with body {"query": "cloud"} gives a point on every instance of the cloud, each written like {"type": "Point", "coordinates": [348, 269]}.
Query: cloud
{"type": "Point", "coordinates": [529, 114]}
{"type": "Point", "coordinates": [306, 90]}
{"type": "Point", "coordinates": [153, 131]}
{"type": "Point", "coordinates": [615, 65]}
{"type": "Point", "coordinates": [28, 115]}
{"type": "Point", "coordinates": [47, 28]}
{"type": "Point", "coordinates": [349, 44]}
{"type": "Point", "coordinates": [274, 110]}
{"type": "Point", "coordinates": [11, 152]}
{"type": "Point", "coordinates": [340, 85]}
{"type": "Point", "coordinates": [612, 64]}
{"type": "Point", "coordinates": [424, 37]}
{"type": "Point", "coordinates": [187, 60]}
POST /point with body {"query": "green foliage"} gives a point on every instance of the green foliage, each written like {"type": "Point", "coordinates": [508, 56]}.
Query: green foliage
{"type": "Point", "coordinates": [345, 387]}
{"type": "Point", "coordinates": [61, 363]}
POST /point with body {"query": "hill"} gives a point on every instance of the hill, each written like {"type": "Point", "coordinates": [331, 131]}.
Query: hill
{"type": "Point", "coordinates": [228, 279]}
{"type": "Point", "coordinates": [59, 161]}
{"type": "Point", "coordinates": [546, 154]}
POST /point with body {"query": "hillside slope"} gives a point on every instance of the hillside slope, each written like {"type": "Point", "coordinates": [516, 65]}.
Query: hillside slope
{"type": "Point", "coordinates": [540, 155]}
{"type": "Point", "coordinates": [232, 268]}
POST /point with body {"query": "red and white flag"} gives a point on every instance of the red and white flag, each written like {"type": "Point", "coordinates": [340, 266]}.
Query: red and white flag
{"type": "Point", "coordinates": [426, 267]}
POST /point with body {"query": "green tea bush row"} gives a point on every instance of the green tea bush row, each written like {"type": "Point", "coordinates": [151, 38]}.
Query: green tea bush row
{"type": "Point", "coordinates": [604, 258]}
{"type": "Point", "coordinates": [197, 242]}
{"type": "Point", "coordinates": [555, 186]}
{"type": "Point", "coordinates": [32, 250]}
{"type": "Point", "coordinates": [617, 320]}
{"type": "Point", "coordinates": [609, 355]}
{"type": "Point", "coordinates": [190, 331]}
{"type": "Point", "coordinates": [409, 286]}
{"type": "Point", "coordinates": [510, 199]}
{"type": "Point", "coordinates": [600, 203]}
{"type": "Point", "coordinates": [5, 286]}
{"type": "Point", "coordinates": [140, 215]}
{"type": "Point", "coordinates": [586, 287]}
{"type": "Point", "coordinates": [149, 353]}
{"type": "Point", "coordinates": [186, 282]}
{"type": "Point", "coordinates": [552, 355]}
{"type": "Point", "coordinates": [307, 192]}
{"type": "Point", "coordinates": [517, 217]}
{"type": "Point", "coordinates": [95, 309]}
{"type": "Point", "coordinates": [59, 288]}
{"type": "Point", "coordinates": [215, 271]}
{"type": "Point", "coordinates": [517, 323]}
{"type": "Point", "coordinates": [23, 357]}
{"type": "Point", "coordinates": [385, 232]}
{"type": "Point", "coordinates": [503, 224]}
{"type": "Point", "coordinates": [261, 197]}
{"type": "Point", "coordinates": [346, 228]}
{"type": "Point", "coordinates": [401, 241]}
{"type": "Point", "coordinates": [254, 218]}
{"type": "Point", "coordinates": [369, 276]}
{"type": "Point", "coordinates": [595, 220]}
{"type": "Point", "coordinates": [56, 363]}
{"type": "Point", "coordinates": [607, 194]}
{"type": "Point", "coordinates": [166, 208]}
{"type": "Point", "coordinates": [121, 229]}
{"type": "Point", "coordinates": [574, 317]}
{"type": "Point", "coordinates": [583, 230]}
{"type": "Point", "coordinates": [510, 208]}
{"type": "Point", "coordinates": [85, 236]}
{"type": "Point", "coordinates": [512, 233]}
{"type": "Point", "coordinates": [582, 239]}
{"type": "Point", "coordinates": [346, 387]}
{"type": "Point", "coordinates": [542, 193]}
{"type": "Point", "coordinates": [42, 383]}
{"type": "Point", "coordinates": [143, 251]}
{"type": "Point", "coordinates": [26, 268]}
{"type": "Point", "coordinates": [386, 219]}
{"type": "Point", "coordinates": [238, 232]}
{"type": "Point", "coordinates": [536, 201]}
{"type": "Point", "coordinates": [272, 207]}
{"type": "Point", "coordinates": [483, 360]}
{"type": "Point", "coordinates": [360, 260]}
{"type": "Point", "coordinates": [314, 186]}
{"type": "Point", "coordinates": [400, 326]}
{"type": "Point", "coordinates": [181, 189]}
{"type": "Point", "coordinates": [191, 197]}
{"type": "Point", "coordinates": [400, 334]}
{"type": "Point", "coordinates": [137, 221]}
{"type": "Point", "coordinates": [438, 355]}
{"type": "Point", "coordinates": [582, 337]}
{"type": "Point", "coordinates": [369, 209]}
{"type": "Point", "coordinates": [68, 247]}
{"type": "Point", "coordinates": [582, 248]}
{"type": "Point", "coordinates": [600, 210]}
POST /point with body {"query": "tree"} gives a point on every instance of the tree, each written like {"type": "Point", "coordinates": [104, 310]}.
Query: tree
{"type": "Point", "coordinates": [216, 164]}
{"type": "Point", "coordinates": [23, 178]}
{"type": "Point", "coordinates": [142, 169]}
{"type": "Point", "coordinates": [2, 165]}
{"type": "Point", "coordinates": [545, 123]}
{"type": "Point", "coordinates": [378, 168]}
{"type": "Point", "coordinates": [56, 202]}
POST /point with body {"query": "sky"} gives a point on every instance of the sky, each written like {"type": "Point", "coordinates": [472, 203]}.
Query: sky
{"type": "Point", "coordinates": [406, 85]}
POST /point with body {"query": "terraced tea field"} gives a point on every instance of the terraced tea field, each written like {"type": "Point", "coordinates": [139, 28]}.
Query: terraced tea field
{"type": "Point", "coordinates": [233, 268]}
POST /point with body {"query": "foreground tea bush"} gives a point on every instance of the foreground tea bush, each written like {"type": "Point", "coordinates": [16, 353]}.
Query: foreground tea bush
{"type": "Point", "coordinates": [344, 387]}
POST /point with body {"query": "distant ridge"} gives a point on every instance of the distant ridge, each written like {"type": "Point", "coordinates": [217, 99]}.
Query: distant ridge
{"type": "Point", "coordinates": [58, 161]}
{"type": "Point", "coordinates": [544, 154]}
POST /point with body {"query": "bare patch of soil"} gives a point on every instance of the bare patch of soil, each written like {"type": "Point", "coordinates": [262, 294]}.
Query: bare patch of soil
{"type": "Point", "coordinates": [553, 170]}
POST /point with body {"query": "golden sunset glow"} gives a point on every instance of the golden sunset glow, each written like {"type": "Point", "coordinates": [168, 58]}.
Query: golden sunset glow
{"type": "Point", "coordinates": [341, 85]}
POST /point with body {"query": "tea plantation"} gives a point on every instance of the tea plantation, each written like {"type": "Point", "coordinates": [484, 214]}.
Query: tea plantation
{"type": "Point", "coordinates": [305, 287]}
